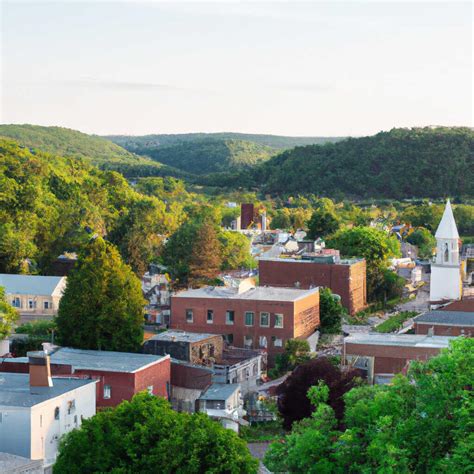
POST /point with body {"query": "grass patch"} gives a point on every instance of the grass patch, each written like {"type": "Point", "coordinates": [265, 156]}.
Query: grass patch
{"type": "Point", "coordinates": [395, 322]}
{"type": "Point", "coordinates": [262, 431]}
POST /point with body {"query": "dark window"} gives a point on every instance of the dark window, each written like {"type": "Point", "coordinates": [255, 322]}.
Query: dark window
{"type": "Point", "coordinates": [229, 317]}
{"type": "Point", "coordinates": [210, 316]}
{"type": "Point", "coordinates": [189, 315]}
{"type": "Point", "coordinates": [56, 413]}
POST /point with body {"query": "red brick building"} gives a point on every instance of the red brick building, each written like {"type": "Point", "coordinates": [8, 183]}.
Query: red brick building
{"type": "Point", "coordinates": [120, 374]}
{"type": "Point", "coordinates": [445, 323]}
{"type": "Point", "coordinates": [252, 317]}
{"type": "Point", "coordinates": [384, 355]}
{"type": "Point", "coordinates": [346, 278]}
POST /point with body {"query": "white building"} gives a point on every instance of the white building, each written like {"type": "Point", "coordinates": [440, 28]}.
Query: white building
{"type": "Point", "coordinates": [36, 410]}
{"type": "Point", "coordinates": [446, 283]}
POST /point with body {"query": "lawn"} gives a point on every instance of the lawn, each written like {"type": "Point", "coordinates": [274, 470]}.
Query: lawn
{"type": "Point", "coordinates": [395, 322]}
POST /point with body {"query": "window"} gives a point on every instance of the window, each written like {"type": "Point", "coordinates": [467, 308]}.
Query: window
{"type": "Point", "coordinates": [71, 406]}
{"type": "Point", "coordinates": [248, 342]}
{"type": "Point", "coordinates": [278, 320]}
{"type": "Point", "coordinates": [31, 304]}
{"type": "Point", "coordinates": [277, 341]}
{"type": "Point", "coordinates": [265, 320]}
{"type": "Point", "coordinates": [46, 305]}
{"type": "Point", "coordinates": [41, 421]}
{"type": "Point", "coordinates": [189, 315]}
{"type": "Point", "coordinates": [75, 420]}
{"type": "Point", "coordinates": [229, 338]}
{"type": "Point", "coordinates": [262, 341]}
{"type": "Point", "coordinates": [150, 389]}
{"type": "Point", "coordinates": [107, 391]}
{"type": "Point", "coordinates": [210, 316]}
{"type": "Point", "coordinates": [446, 252]}
{"type": "Point", "coordinates": [16, 302]}
{"type": "Point", "coordinates": [56, 413]}
{"type": "Point", "coordinates": [249, 317]}
{"type": "Point", "coordinates": [229, 317]}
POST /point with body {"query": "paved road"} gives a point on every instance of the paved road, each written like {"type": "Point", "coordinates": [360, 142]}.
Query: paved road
{"type": "Point", "coordinates": [258, 450]}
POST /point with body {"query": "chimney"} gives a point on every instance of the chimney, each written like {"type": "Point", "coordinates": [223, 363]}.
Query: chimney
{"type": "Point", "coordinates": [40, 369]}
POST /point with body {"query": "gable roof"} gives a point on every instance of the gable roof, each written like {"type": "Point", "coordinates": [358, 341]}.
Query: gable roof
{"type": "Point", "coordinates": [447, 227]}
{"type": "Point", "coordinates": [30, 284]}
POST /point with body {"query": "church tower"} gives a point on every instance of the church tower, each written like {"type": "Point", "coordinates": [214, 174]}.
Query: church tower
{"type": "Point", "coordinates": [446, 281]}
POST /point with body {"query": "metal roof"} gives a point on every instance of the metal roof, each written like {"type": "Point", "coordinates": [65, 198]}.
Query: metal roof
{"type": "Point", "coordinates": [220, 391]}
{"type": "Point", "coordinates": [451, 318]}
{"type": "Point", "coordinates": [30, 284]}
{"type": "Point", "coordinates": [182, 336]}
{"type": "Point", "coordinates": [402, 340]}
{"type": "Point", "coordinates": [260, 293]}
{"type": "Point", "coordinates": [15, 389]}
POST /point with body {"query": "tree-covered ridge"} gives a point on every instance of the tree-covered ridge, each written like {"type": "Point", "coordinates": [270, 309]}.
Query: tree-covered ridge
{"type": "Point", "coordinates": [209, 155]}
{"type": "Point", "coordinates": [401, 163]}
{"type": "Point", "coordinates": [134, 143]}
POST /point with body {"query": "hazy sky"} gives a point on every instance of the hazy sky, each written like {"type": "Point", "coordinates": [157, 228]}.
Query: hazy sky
{"type": "Point", "coordinates": [320, 68]}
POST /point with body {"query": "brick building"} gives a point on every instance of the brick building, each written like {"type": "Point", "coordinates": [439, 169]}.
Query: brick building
{"type": "Point", "coordinates": [120, 375]}
{"type": "Point", "coordinates": [346, 278]}
{"type": "Point", "coordinates": [384, 355]}
{"type": "Point", "coordinates": [445, 323]}
{"type": "Point", "coordinates": [248, 317]}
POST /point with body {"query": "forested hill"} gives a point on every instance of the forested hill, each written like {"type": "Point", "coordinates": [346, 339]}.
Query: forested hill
{"type": "Point", "coordinates": [402, 163]}
{"type": "Point", "coordinates": [139, 144]}
{"type": "Point", "coordinates": [210, 155]}
{"type": "Point", "coordinates": [71, 143]}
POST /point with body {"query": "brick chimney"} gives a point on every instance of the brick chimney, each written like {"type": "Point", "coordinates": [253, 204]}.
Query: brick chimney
{"type": "Point", "coordinates": [40, 369]}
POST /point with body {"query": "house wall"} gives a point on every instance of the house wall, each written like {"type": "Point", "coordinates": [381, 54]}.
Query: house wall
{"type": "Point", "coordinates": [239, 330]}
{"type": "Point", "coordinates": [445, 283]}
{"type": "Point", "coordinates": [15, 434]}
{"type": "Point", "coordinates": [348, 281]}
{"type": "Point", "coordinates": [444, 329]}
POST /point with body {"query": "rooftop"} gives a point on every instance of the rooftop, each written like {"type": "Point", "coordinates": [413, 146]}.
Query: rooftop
{"type": "Point", "coordinates": [220, 391]}
{"type": "Point", "coordinates": [260, 293]}
{"type": "Point", "coordinates": [402, 340]}
{"type": "Point", "coordinates": [13, 464]}
{"type": "Point", "coordinates": [30, 284]}
{"type": "Point", "coordinates": [317, 259]}
{"type": "Point", "coordinates": [15, 390]}
{"type": "Point", "coordinates": [463, 305]}
{"type": "Point", "coordinates": [182, 336]}
{"type": "Point", "coordinates": [451, 318]}
{"type": "Point", "coordinates": [447, 227]}
{"type": "Point", "coordinates": [99, 360]}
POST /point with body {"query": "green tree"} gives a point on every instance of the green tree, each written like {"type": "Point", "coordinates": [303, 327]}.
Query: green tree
{"type": "Point", "coordinates": [146, 436]}
{"type": "Point", "coordinates": [8, 316]}
{"type": "Point", "coordinates": [102, 305]}
{"type": "Point", "coordinates": [281, 219]}
{"type": "Point", "coordinates": [235, 251]}
{"type": "Point", "coordinates": [323, 222]}
{"type": "Point", "coordinates": [205, 261]}
{"type": "Point", "coordinates": [424, 215]}
{"type": "Point", "coordinates": [330, 311]}
{"type": "Point", "coordinates": [424, 240]}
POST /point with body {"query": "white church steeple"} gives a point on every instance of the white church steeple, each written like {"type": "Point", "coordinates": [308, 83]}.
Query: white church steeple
{"type": "Point", "coordinates": [446, 270]}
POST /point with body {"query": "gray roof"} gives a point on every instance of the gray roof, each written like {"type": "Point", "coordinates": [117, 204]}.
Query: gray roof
{"type": "Point", "coordinates": [220, 391]}
{"type": "Point", "coordinates": [15, 390]}
{"type": "Point", "coordinates": [260, 293]}
{"type": "Point", "coordinates": [182, 336]}
{"type": "Point", "coordinates": [108, 361]}
{"type": "Point", "coordinates": [450, 318]}
{"type": "Point", "coordinates": [30, 284]}
{"type": "Point", "coordinates": [342, 261]}
{"type": "Point", "coordinates": [402, 340]}
{"type": "Point", "coordinates": [13, 464]}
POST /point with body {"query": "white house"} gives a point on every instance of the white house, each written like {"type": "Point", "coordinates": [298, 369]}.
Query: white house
{"type": "Point", "coordinates": [36, 410]}
{"type": "Point", "coordinates": [34, 296]}
{"type": "Point", "coordinates": [446, 283]}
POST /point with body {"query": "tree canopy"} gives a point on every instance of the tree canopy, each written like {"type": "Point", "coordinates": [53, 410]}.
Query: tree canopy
{"type": "Point", "coordinates": [102, 305]}
{"type": "Point", "coordinates": [146, 436]}
{"type": "Point", "coordinates": [8, 315]}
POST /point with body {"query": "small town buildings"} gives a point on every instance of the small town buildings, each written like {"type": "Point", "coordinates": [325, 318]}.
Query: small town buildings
{"type": "Point", "coordinates": [346, 278]}
{"type": "Point", "coordinates": [156, 290]}
{"type": "Point", "coordinates": [34, 296]}
{"type": "Point", "coordinates": [252, 217]}
{"type": "Point", "coordinates": [36, 409]}
{"type": "Point", "coordinates": [249, 317]}
{"type": "Point", "coordinates": [445, 323]}
{"type": "Point", "coordinates": [384, 355]}
{"type": "Point", "coordinates": [446, 282]}
{"type": "Point", "coordinates": [120, 375]}
{"type": "Point", "coordinates": [224, 402]}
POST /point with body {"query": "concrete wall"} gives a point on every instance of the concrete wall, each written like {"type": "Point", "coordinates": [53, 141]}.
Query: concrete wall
{"type": "Point", "coordinates": [446, 283]}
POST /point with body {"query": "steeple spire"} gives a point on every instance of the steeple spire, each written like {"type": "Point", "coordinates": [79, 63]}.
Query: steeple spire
{"type": "Point", "coordinates": [447, 227]}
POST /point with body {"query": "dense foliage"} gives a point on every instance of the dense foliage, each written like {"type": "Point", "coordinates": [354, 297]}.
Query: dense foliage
{"type": "Point", "coordinates": [429, 162]}
{"type": "Point", "coordinates": [102, 305]}
{"type": "Point", "coordinates": [424, 240]}
{"type": "Point", "coordinates": [422, 423]}
{"type": "Point", "coordinates": [8, 315]}
{"type": "Point", "coordinates": [37, 332]}
{"type": "Point", "coordinates": [330, 312]}
{"type": "Point", "coordinates": [146, 436]}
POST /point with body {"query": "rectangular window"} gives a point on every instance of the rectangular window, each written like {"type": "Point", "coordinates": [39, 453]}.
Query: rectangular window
{"type": "Point", "coordinates": [248, 342]}
{"type": "Point", "coordinates": [31, 304]}
{"type": "Point", "coordinates": [210, 316]}
{"type": "Point", "coordinates": [16, 302]}
{"type": "Point", "coordinates": [56, 413]}
{"type": "Point", "coordinates": [278, 320]}
{"type": "Point", "coordinates": [265, 320]}
{"type": "Point", "coordinates": [229, 317]}
{"type": "Point", "coordinates": [107, 391]}
{"type": "Point", "coordinates": [262, 341]}
{"type": "Point", "coordinates": [249, 318]}
{"type": "Point", "coordinates": [229, 338]}
{"type": "Point", "coordinates": [46, 305]}
{"type": "Point", "coordinates": [189, 315]}
{"type": "Point", "coordinates": [150, 389]}
{"type": "Point", "coordinates": [277, 342]}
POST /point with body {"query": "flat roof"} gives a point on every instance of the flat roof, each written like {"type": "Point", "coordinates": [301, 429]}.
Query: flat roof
{"type": "Point", "coordinates": [259, 293]}
{"type": "Point", "coordinates": [15, 389]}
{"type": "Point", "coordinates": [401, 340]}
{"type": "Point", "coordinates": [11, 463]}
{"type": "Point", "coordinates": [182, 336]}
{"type": "Point", "coordinates": [109, 361]}
{"type": "Point", "coordinates": [318, 260]}
{"type": "Point", "coordinates": [30, 284]}
{"type": "Point", "coordinates": [451, 318]}
{"type": "Point", "coordinates": [220, 391]}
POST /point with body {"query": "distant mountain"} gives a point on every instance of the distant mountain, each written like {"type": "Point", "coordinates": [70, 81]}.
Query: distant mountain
{"type": "Point", "coordinates": [401, 163]}
{"type": "Point", "coordinates": [139, 144]}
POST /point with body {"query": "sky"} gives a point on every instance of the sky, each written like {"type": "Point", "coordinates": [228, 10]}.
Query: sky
{"type": "Point", "coordinates": [290, 68]}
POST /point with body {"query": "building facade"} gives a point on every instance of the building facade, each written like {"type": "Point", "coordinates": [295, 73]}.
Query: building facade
{"type": "Point", "coordinates": [445, 323]}
{"type": "Point", "coordinates": [346, 278]}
